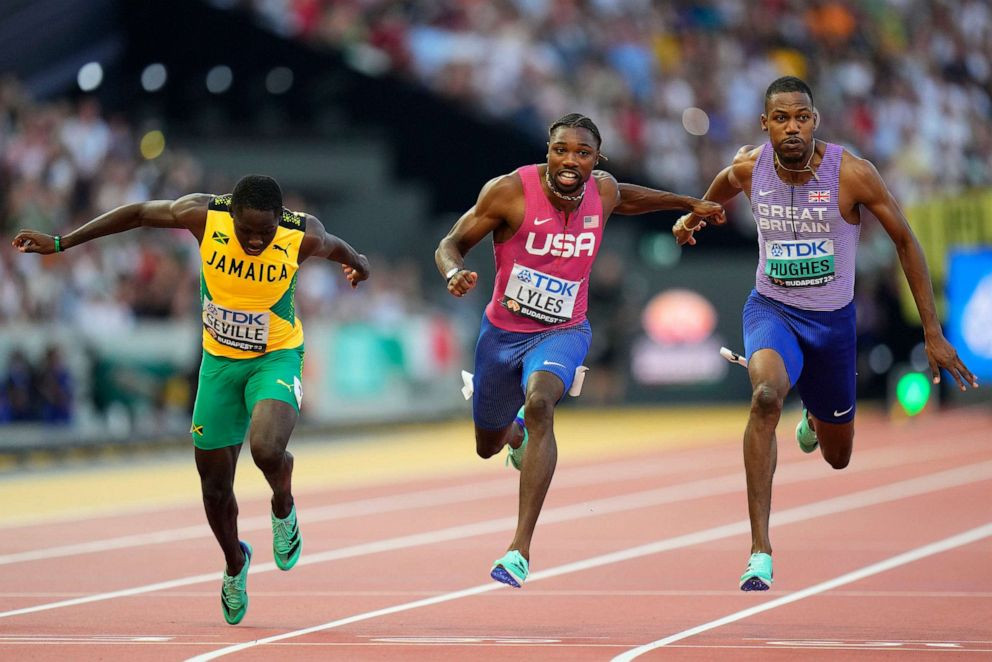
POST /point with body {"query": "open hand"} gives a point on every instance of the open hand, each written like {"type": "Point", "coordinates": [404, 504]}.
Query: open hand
{"type": "Point", "coordinates": [941, 354]}
{"type": "Point", "coordinates": [684, 235]}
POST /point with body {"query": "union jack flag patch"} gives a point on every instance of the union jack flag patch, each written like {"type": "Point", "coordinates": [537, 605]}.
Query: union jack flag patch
{"type": "Point", "coordinates": [819, 196]}
{"type": "Point", "coordinates": [589, 222]}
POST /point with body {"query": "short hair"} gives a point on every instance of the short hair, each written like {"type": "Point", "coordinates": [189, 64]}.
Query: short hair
{"type": "Point", "coordinates": [257, 192]}
{"type": "Point", "coordinates": [788, 84]}
{"type": "Point", "coordinates": [577, 121]}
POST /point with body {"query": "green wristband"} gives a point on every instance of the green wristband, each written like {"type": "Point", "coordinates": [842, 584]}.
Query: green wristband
{"type": "Point", "coordinates": [58, 243]}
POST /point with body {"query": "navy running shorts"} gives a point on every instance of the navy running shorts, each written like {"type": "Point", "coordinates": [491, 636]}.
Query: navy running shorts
{"type": "Point", "coordinates": [819, 348]}
{"type": "Point", "coordinates": [504, 361]}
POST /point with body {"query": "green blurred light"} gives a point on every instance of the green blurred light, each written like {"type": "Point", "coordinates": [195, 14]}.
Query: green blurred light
{"type": "Point", "coordinates": [913, 392]}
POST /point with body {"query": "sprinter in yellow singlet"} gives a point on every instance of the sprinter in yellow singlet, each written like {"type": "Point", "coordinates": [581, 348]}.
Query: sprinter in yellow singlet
{"type": "Point", "coordinates": [250, 248]}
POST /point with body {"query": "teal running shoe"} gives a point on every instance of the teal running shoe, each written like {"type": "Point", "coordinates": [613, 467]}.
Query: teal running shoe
{"type": "Point", "coordinates": [758, 576]}
{"type": "Point", "coordinates": [516, 455]}
{"type": "Point", "coordinates": [234, 592]}
{"type": "Point", "coordinates": [806, 435]}
{"type": "Point", "coordinates": [511, 569]}
{"type": "Point", "coordinates": [286, 541]}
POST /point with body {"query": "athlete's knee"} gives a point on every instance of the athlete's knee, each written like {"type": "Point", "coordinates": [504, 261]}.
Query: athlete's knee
{"type": "Point", "coordinates": [539, 408]}
{"type": "Point", "coordinates": [838, 458]}
{"type": "Point", "coordinates": [487, 443]}
{"type": "Point", "coordinates": [216, 493]}
{"type": "Point", "coordinates": [766, 400]}
{"type": "Point", "coordinates": [267, 456]}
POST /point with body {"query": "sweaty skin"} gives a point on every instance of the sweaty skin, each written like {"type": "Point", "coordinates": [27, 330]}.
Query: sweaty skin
{"type": "Point", "coordinates": [790, 120]}
{"type": "Point", "coordinates": [573, 153]}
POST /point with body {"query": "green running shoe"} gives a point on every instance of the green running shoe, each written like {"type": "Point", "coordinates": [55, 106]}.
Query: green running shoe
{"type": "Point", "coordinates": [758, 576]}
{"type": "Point", "coordinates": [516, 455]}
{"type": "Point", "coordinates": [511, 569]}
{"type": "Point", "coordinates": [234, 592]}
{"type": "Point", "coordinates": [806, 435]}
{"type": "Point", "coordinates": [286, 541]}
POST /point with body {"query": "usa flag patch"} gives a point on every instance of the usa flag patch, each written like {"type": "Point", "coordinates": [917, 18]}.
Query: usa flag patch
{"type": "Point", "coordinates": [590, 222]}
{"type": "Point", "coordinates": [819, 196]}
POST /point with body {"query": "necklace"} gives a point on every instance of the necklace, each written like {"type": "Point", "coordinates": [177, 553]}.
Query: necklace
{"type": "Point", "coordinates": [805, 168]}
{"type": "Point", "coordinates": [570, 198]}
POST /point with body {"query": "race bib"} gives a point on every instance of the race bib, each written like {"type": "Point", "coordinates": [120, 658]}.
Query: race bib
{"type": "Point", "coordinates": [800, 262]}
{"type": "Point", "coordinates": [540, 296]}
{"type": "Point", "coordinates": [241, 329]}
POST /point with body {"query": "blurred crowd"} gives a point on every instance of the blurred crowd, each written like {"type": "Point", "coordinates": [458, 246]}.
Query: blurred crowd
{"type": "Point", "coordinates": [904, 83]}
{"type": "Point", "coordinates": [65, 162]}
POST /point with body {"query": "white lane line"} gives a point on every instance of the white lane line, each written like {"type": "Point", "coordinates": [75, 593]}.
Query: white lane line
{"type": "Point", "coordinates": [672, 494]}
{"type": "Point", "coordinates": [578, 477]}
{"type": "Point", "coordinates": [886, 493]}
{"type": "Point", "coordinates": [959, 540]}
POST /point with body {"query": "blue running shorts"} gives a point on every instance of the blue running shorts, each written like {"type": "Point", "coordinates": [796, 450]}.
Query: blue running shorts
{"type": "Point", "coordinates": [819, 349]}
{"type": "Point", "coordinates": [504, 361]}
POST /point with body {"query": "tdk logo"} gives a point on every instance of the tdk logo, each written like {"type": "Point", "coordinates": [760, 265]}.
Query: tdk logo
{"type": "Point", "coordinates": [801, 249]}
{"type": "Point", "coordinates": [238, 317]}
{"type": "Point", "coordinates": [551, 285]}
{"type": "Point", "coordinates": [563, 245]}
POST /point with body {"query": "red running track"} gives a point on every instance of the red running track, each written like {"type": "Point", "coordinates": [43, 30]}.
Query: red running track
{"type": "Point", "coordinates": [634, 558]}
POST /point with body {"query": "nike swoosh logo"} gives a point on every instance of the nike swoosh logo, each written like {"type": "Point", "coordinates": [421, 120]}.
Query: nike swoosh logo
{"type": "Point", "coordinates": [838, 414]}
{"type": "Point", "coordinates": [541, 221]}
{"type": "Point", "coordinates": [560, 365]}
{"type": "Point", "coordinates": [760, 192]}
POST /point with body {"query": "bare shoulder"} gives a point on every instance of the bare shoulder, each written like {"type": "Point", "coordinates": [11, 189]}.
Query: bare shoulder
{"type": "Point", "coordinates": [860, 176]}
{"type": "Point", "coordinates": [745, 158]}
{"type": "Point", "coordinates": [605, 182]}
{"type": "Point", "coordinates": [192, 202]}
{"type": "Point", "coordinates": [501, 192]}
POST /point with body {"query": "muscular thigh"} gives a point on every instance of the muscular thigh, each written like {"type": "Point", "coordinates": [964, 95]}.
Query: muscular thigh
{"type": "Point", "coordinates": [220, 417]}
{"type": "Point", "coordinates": [828, 381]}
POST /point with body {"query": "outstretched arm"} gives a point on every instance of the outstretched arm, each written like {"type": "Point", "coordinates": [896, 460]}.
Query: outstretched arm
{"type": "Point", "coordinates": [488, 214]}
{"type": "Point", "coordinates": [188, 212]}
{"type": "Point", "coordinates": [728, 183]}
{"type": "Point", "coordinates": [636, 199]}
{"type": "Point", "coordinates": [867, 187]}
{"type": "Point", "coordinates": [317, 242]}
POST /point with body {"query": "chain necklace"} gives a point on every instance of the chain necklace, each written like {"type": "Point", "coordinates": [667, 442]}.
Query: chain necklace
{"type": "Point", "coordinates": [805, 168]}
{"type": "Point", "coordinates": [570, 198]}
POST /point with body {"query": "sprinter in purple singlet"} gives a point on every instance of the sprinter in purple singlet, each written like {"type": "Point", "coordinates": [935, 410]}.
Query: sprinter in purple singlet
{"type": "Point", "coordinates": [547, 222]}
{"type": "Point", "coordinates": [808, 198]}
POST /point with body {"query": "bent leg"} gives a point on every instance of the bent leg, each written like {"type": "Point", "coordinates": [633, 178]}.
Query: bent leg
{"type": "Point", "coordinates": [544, 390]}
{"type": "Point", "coordinates": [769, 386]}
{"type": "Point", "coordinates": [836, 441]}
{"type": "Point", "coordinates": [272, 423]}
{"type": "Point", "coordinates": [216, 468]}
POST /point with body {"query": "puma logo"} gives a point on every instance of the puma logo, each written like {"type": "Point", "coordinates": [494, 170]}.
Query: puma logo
{"type": "Point", "coordinates": [280, 248]}
{"type": "Point", "coordinates": [289, 386]}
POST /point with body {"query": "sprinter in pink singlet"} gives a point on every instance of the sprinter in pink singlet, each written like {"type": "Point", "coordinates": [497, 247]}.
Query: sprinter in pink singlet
{"type": "Point", "coordinates": [808, 198]}
{"type": "Point", "coordinates": [547, 222]}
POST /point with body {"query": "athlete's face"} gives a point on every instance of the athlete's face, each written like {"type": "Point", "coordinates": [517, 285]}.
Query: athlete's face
{"type": "Point", "coordinates": [572, 154]}
{"type": "Point", "coordinates": [790, 119]}
{"type": "Point", "coordinates": [254, 228]}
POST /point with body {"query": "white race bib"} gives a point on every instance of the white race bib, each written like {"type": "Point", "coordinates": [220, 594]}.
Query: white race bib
{"type": "Point", "coordinates": [247, 330]}
{"type": "Point", "coordinates": [540, 296]}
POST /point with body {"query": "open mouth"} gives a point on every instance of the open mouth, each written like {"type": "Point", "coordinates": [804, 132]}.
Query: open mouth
{"type": "Point", "coordinates": [253, 251]}
{"type": "Point", "coordinates": [567, 179]}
